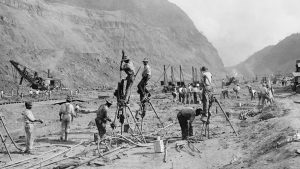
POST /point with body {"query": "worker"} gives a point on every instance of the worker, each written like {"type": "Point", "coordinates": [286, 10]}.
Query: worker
{"type": "Point", "coordinates": [185, 118]}
{"type": "Point", "coordinates": [184, 94]}
{"type": "Point", "coordinates": [29, 120]}
{"type": "Point", "coordinates": [66, 116]}
{"type": "Point", "coordinates": [206, 93]}
{"type": "Point", "coordinates": [180, 97]}
{"type": "Point", "coordinates": [2, 94]}
{"type": "Point", "coordinates": [174, 93]}
{"type": "Point", "coordinates": [30, 93]}
{"type": "Point", "coordinates": [146, 74]}
{"type": "Point", "coordinates": [236, 90]}
{"type": "Point", "coordinates": [223, 83]}
{"type": "Point", "coordinates": [225, 93]}
{"type": "Point", "coordinates": [102, 118]}
{"type": "Point", "coordinates": [77, 109]}
{"type": "Point", "coordinates": [128, 68]}
{"type": "Point", "coordinates": [196, 92]}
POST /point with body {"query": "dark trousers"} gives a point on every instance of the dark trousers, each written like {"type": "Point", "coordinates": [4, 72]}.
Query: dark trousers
{"type": "Point", "coordinates": [225, 94]}
{"type": "Point", "coordinates": [206, 101]}
{"type": "Point", "coordinates": [186, 127]}
{"type": "Point", "coordinates": [129, 83]}
{"type": "Point", "coordinates": [142, 90]}
{"type": "Point", "coordinates": [195, 98]}
{"type": "Point", "coordinates": [101, 126]}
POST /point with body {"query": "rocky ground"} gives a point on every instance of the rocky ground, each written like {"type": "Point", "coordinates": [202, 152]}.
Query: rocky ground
{"type": "Point", "coordinates": [260, 142]}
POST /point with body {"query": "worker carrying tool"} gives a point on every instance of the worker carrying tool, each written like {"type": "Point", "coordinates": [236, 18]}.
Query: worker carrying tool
{"type": "Point", "coordinates": [128, 68]}
{"type": "Point", "coordinates": [102, 118]}
{"type": "Point", "coordinates": [207, 92]}
{"type": "Point", "coordinates": [185, 118]}
{"type": "Point", "coordinates": [66, 116]}
{"type": "Point", "coordinates": [29, 120]}
{"type": "Point", "coordinates": [146, 75]}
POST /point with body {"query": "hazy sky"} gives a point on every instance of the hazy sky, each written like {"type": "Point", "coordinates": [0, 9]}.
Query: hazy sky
{"type": "Point", "coordinates": [238, 28]}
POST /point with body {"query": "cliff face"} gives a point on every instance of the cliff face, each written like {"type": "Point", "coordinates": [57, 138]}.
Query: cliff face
{"type": "Point", "coordinates": [81, 41]}
{"type": "Point", "coordinates": [278, 58]}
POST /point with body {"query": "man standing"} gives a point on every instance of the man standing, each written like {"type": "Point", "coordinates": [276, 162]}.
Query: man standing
{"type": "Point", "coordinates": [236, 90]}
{"type": "Point", "coordinates": [206, 94]}
{"type": "Point", "coordinates": [128, 68]}
{"type": "Point", "coordinates": [185, 118]}
{"type": "Point", "coordinates": [66, 115]}
{"type": "Point", "coordinates": [102, 118]}
{"type": "Point", "coordinates": [146, 74]}
{"type": "Point", "coordinates": [29, 120]}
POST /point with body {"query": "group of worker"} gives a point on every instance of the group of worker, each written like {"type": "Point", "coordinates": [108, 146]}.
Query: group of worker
{"type": "Point", "coordinates": [67, 111]}
{"type": "Point", "coordinates": [189, 94]}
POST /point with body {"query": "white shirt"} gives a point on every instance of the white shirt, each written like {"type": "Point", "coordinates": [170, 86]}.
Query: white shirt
{"type": "Point", "coordinates": [28, 117]}
{"type": "Point", "coordinates": [208, 77]}
{"type": "Point", "coordinates": [67, 109]}
{"type": "Point", "coordinates": [146, 71]}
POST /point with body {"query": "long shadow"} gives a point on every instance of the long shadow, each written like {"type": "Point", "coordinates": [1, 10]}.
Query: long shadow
{"type": "Point", "coordinates": [55, 141]}
{"type": "Point", "coordinates": [143, 153]}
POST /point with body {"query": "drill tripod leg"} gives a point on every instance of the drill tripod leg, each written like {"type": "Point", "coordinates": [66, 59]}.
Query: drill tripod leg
{"type": "Point", "coordinates": [156, 114]}
{"type": "Point", "coordinates": [136, 124]}
{"type": "Point", "coordinates": [226, 116]}
{"type": "Point", "coordinates": [3, 141]}
{"type": "Point", "coordinates": [9, 134]}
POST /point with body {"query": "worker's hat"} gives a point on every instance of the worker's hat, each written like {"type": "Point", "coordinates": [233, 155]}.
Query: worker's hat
{"type": "Point", "coordinates": [28, 104]}
{"type": "Point", "coordinates": [125, 58]}
{"type": "Point", "coordinates": [68, 99]}
{"type": "Point", "coordinates": [146, 60]}
{"type": "Point", "coordinates": [108, 102]}
{"type": "Point", "coordinates": [204, 68]}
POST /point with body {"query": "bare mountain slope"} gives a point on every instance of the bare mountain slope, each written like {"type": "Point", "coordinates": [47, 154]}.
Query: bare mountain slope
{"type": "Point", "coordinates": [81, 41]}
{"type": "Point", "coordinates": [278, 58]}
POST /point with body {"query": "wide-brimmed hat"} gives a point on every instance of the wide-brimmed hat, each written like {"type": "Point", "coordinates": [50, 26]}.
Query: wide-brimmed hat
{"type": "Point", "coordinates": [204, 68]}
{"type": "Point", "coordinates": [108, 102]}
{"type": "Point", "coordinates": [146, 60]}
{"type": "Point", "coordinates": [125, 58]}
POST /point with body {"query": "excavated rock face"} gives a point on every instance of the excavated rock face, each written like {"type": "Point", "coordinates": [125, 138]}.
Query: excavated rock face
{"type": "Point", "coordinates": [81, 41]}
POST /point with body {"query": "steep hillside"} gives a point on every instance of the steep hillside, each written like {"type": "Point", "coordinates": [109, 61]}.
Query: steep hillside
{"type": "Point", "coordinates": [81, 41]}
{"type": "Point", "coordinates": [278, 58]}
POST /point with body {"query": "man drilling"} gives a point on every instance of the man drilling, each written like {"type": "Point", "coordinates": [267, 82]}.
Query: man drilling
{"type": "Point", "coordinates": [146, 74]}
{"type": "Point", "coordinates": [128, 68]}
{"type": "Point", "coordinates": [66, 116]}
{"type": "Point", "coordinates": [29, 120]}
{"type": "Point", "coordinates": [102, 118]}
{"type": "Point", "coordinates": [207, 92]}
{"type": "Point", "coordinates": [185, 118]}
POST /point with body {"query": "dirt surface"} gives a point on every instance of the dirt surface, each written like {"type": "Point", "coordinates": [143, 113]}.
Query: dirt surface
{"type": "Point", "coordinates": [260, 143]}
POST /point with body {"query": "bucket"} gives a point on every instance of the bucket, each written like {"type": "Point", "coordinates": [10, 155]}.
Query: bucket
{"type": "Point", "coordinates": [126, 128]}
{"type": "Point", "coordinates": [158, 145]}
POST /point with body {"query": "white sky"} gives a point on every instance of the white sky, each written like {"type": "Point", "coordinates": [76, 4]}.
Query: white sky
{"type": "Point", "coordinates": [238, 28]}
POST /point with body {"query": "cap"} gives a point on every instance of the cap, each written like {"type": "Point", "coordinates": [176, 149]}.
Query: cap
{"type": "Point", "coordinates": [125, 58]}
{"type": "Point", "coordinates": [146, 60]}
{"type": "Point", "coordinates": [204, 68]}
